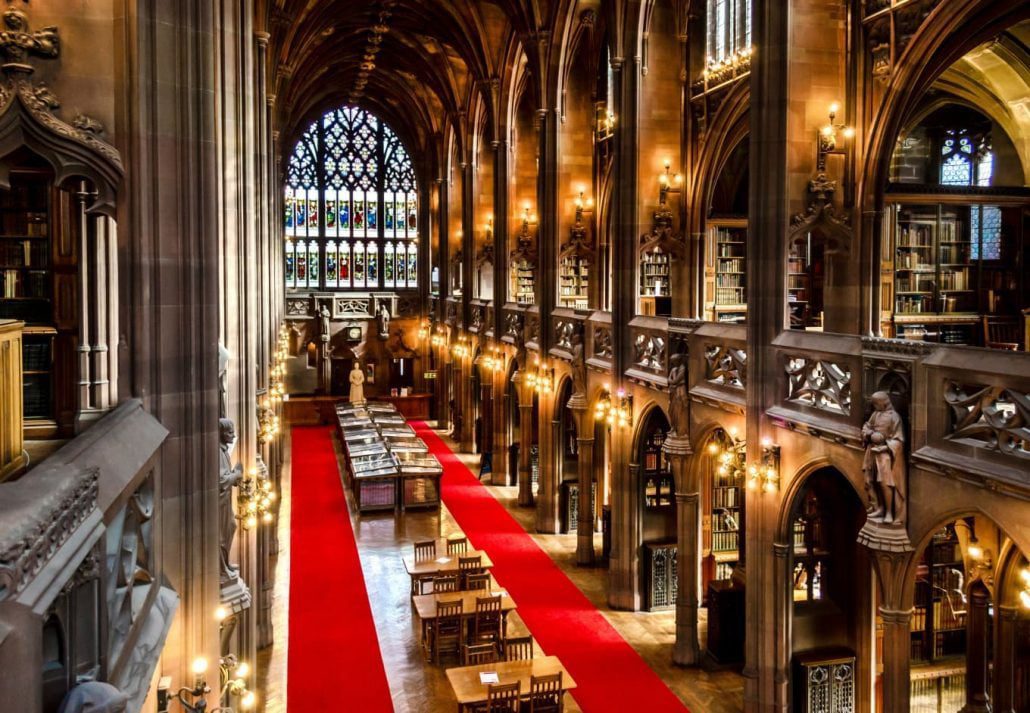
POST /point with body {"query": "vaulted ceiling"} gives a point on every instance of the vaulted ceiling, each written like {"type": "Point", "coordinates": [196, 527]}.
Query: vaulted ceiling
{"type": "Point", "coordinates": [416, 63]}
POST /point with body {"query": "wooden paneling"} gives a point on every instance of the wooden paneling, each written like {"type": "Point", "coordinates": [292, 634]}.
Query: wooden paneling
{"type": "Point", "coordinates": [12, 457]}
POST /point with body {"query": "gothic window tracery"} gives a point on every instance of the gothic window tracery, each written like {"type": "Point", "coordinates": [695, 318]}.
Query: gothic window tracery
{"type": "Point", "coordinates": [729, 29]}
{"type": "Point", "coordinates": [351, 206]}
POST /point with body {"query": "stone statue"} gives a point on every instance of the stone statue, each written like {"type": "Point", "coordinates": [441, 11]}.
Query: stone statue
{"type": "Point", "coordinates": [228, 476]}
{"type": "Point", "coordinates": [325, 354]}
{"type": "Point", "coordinates": [357, 384]}
{"type": "Point", "coordinates": [323, 329]}
{"type": "Point", "coordinates": [884, 464]}
{"type": "Point", "coordinates": [579, 366]}
{"type": "Point", "coordinates": [383, 317]}
{"type": "Point", "coordinates": [678, 399]}
{"type": "Point", "coordinates": [94, 697]}
{"type": "Point", "coordinates": [223, 383]}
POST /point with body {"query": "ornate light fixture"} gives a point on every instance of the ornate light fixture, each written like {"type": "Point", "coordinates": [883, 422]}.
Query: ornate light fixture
{"type": "Point", "coordinates": [668, 182]}
{"type": "Point", "coordinates": [540, 378]}
{"type": "Point", "coordinates": [528, 218]}
{"type": "Point", "coordinates": [255, 498]}
{"type": "Point", "coordinates": [828, 137]}
{"type": "Point", "coordinates": [731, 455]}
{"type": "Point", "coordinates": [423, 330]}
{"type": "Point", "coordinates": [268, 421]}
{"type": "Point", "coordinates": [1024, 594]}
{"type": "Point", "coordinates": [438, 339]}
{"type": "Point", "coordinates": [615, 410]}
{"type": "Point", "coordinates": [277, 373]}
{"type": "Point", "coordinates": [583, 206]}
{"type": "Point", "coordinates": [493, 360]}
{"type": "Point", "coordinates": [232, 682]}
{"type": "Point", "coordinates": [460, 350]}
{"type": "Point", "coordinates": [766, 473]}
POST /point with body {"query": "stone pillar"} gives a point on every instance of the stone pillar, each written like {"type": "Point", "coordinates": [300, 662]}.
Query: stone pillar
{"type": "Point", "coordinates": [977, 700]}
{"type": "Point", "coordinates": [584, 522]}
{"type": "Point", "coordinates": [525, 480]}
{"type": "Point", "coordinates": [1003, 685]}
{"type": "Point", "coordinates": [782, 617]}
{"type": "Point", "coordinates": [687, 651]}
{"type": "Point", "coordinates": [896, 652]}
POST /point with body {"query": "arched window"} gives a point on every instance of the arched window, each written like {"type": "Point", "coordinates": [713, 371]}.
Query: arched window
{"type": "Point", "coordinates": [966, 159]}
{"type": "Point", "coordinates": [351, 206]}
{"type": "Point", "coordinates": [729, 30]}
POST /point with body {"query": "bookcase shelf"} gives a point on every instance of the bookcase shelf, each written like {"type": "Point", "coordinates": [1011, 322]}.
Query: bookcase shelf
{"type": "Point", "coordinates": [938, 627]}
{"type": "Point", "coordinates": [728, 242]}
{"type": "Point", "coordinates": [573, 281]}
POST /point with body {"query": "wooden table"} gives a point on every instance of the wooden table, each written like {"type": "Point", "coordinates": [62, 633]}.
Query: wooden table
{"type": "Point", "coordinates": [438, 567]}
{"type": "Point", "coordinates": [425, 604]}
{"type": "Point", "coordinates": [469, 691]}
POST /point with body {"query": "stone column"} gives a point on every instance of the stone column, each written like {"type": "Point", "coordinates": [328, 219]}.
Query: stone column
{"type": "Point", "coordinates": [977, 700]}
{"type": "Point", "coordinates": [1003, 685]}
{"type": "Point", "coordinates": [896, 652]}
{"type": "Point", "coordinates": [687, 651]}
{"type": "Point", "coordinates": [584, 522]}
{"type": "Point", "coordinates": [525, 397]}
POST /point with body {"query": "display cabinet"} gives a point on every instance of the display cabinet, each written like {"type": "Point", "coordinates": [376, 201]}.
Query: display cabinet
{"type": "Point", "coordinates": [824, 681]}
{"type": "Point", "coordinates": [662, 576]}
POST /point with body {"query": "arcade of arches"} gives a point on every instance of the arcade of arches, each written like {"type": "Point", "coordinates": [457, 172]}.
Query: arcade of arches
{"type": "Point", "coordinates": [702, 324]}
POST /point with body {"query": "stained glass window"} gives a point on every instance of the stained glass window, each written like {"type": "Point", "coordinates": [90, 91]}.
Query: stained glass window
{"type": "Point", "coordinates": [986, 232]}
{"type": "Point", "coordinates": [351, 206]}
{"type": "Point", "coordinates": [966, 160]}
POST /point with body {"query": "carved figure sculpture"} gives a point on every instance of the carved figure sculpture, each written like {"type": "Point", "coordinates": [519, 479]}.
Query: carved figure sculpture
{"type": "Point", "coordinates": [678, 399]}
{"type": "Point", "coordinates": [228, 476]}
{"type": "Point", "coordinates": [325, 354]}
{"type": "Point", "coordinates": [223, 386]}
{"type": "Point", "coordinates": [357, 384]}
{"type": "Point", "coordinates": [384, 321]}
{"type": "Point", "coordinates": [884, 464]}
{"type": "Point", "coordinates": [579, 366]}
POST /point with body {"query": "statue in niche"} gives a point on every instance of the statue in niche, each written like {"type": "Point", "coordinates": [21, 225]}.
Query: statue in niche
{"type": "Point", "coordinates": [357, 384]}
{"type": "Point", "coordinates": [678, 399]}
{"type": "Point", "coordinates": [383, 318]}
{"type": "Point", "coordinates": [579, 366]}
{"type": "Point", "coordinates": [223, 385]}
{"type": "Point", "coordinates": [520, 349]}
{"type": "Point", "coordinates": [228, 476]}
{"type": "Point", "coordinates": [325, 354]}
{"type": "Point", "coordinates": [883, 436]}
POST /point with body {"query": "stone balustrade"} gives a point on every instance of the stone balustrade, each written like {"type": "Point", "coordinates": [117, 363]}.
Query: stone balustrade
{"type": "Point", "coordinates": [80, 561]}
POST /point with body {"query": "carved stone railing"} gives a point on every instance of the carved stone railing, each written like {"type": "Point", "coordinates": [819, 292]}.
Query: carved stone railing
{"type": "Point", "coordinates": [477, 316]}
{"type": "Point", "coordinates": [649, 364]}
{"type": "Point", "coordinates": [514, 323]}
{"type": "Point", "coordinates": [977, 415]}
{"type": "Point", "coordinates": [819, 375]}
{"type": "Point", "coordinates": [565, 323]}
{"type": "Point", "coordinates": [717, 358]}
{"type": "Point", "coordinates": [82, 526]}
{"type": "Point", "coordinates": [600, 346]}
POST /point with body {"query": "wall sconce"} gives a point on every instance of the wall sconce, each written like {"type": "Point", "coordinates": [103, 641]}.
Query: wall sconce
{"type": "Point", "coordinates": [616, 410]}
{"type": "Point", "coordinates": [489, 226]}
{"type": "Point", "coordinates": [765, 474]}
{"type": "Point", "coordinates": [438, 339]}
{"type": "Point", "coordinates": [268, 421]}
{"type": "Point", "coordinates": [528, 218]}
{"type": "Point", "coordinates": [494, 360]}
{"type": "Point", "coordinates": [460, 349]}
{"type": "Point", "coordinates": [668, 182]}
{"type": "Point", "coordinates": [540, 378]}
{"type": "Point", "coordinates": [828, 137]}
{"type": "Point", "coordinates": [731, 458]}
{"type": "Point", "coordinates": [1024, 594]}
{"type": "Point", "coordinates": [423, 330]}
{"type": "Point", "coordinates": [277, 372]}
{"type": "Point", "coordinates": [255, 498]}
{"type": "Point", "coordinates": [233, 682]}
{"type": "Point", "coordinates": [583, 206]}
{"type": "Point", "coordinates": [605, 127]}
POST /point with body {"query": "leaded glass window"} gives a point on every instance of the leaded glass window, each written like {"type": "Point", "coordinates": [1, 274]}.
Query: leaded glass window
{"type": "Point", "coordinates": [729, 29]}
{"type": "Point", "coordinates": [986, 232]}
{"type": "Point", "coordinates": [351, 203]}
{"type": "Point", "coordinates": [966, 160]}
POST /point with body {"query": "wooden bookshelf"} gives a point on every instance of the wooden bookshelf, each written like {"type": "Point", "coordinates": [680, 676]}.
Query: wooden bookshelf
{"type": "Point", "coordinates": [727, 242]}
{"type": "Point", "coordinates": [573, 281]}
{"type": "Point", "coordinates": [523, 283]}
{"type": "Point", "coordinates": [938, 625]}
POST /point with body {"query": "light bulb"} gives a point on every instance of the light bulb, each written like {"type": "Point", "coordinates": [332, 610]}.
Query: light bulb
{"type": "Point", "coordinates": [250, 522]}
{"type": "Point", "coordinates": [1024, 598]}
{"type": "Point", "coordinates": [242, 669]}
{"type": "Point", "coordinates": [267, 518]}
{"type": "Point", "coordinates": [199, 665]}
{"type": "Point", "coordinates": [713, 449]}
{"type": "Point", "coordinates": [834, 108]}
{"type": "Point", "coordinates": [221, 613]}
{"type": "Point", "coordinates": [849, 132]}
{"type": "Point", "coordinates": [248, 700]}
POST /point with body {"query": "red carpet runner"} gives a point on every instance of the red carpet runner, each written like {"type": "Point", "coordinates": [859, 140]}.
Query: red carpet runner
{"type": "Point", "coordinates": [609, 673]}
{"type": "Point", "coordinates": [333, 649]}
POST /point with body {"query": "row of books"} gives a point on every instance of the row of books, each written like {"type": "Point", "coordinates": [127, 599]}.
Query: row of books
{"type": "Point", "coordinates": [725, 541]}
{"type": "Point", "coordinates": [915, 283]}
{"type": "Point", "coordinates": [729, 295]}
{"type": "Point", "coordinates": [723, 570]}
{"type": "Point", "coordinates": [957, 279]}
{"type": "Point", "coordinates": [912, 261]}
{"type": "Point", "coordinates": [797, 282]}
{"type": "Point", "coordinates": [730, 280]}
{"type": "Point", "coordinates": [725, 497]}
{"type": "Point", "coordinates": [955, 254]}
{"type": "Point", "coordinates": [912, 304]}
{"type": "Point", "coordinates": [916, 237]}
{"type": "Point", "coordinates": [24, 253]}
{"type": "Point", "coordinates": [31, 225]}
{"type": "Point", "coordinates": [734, 264]}
{"type": "Point", "coordinates": [16, 283]}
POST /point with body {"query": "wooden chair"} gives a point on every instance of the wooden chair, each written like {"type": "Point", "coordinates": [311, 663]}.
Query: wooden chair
{"type": "Point", "coordinates": [546, 694]}
{"type": "Point", "coordinates": [518, 648]}
{"type": "Point", "coordinates": [503, 697]}
{"type": "Point", "coordinates": [469, 565]}
{"type": "Point", "coordinates": [447, 628]}
{"type": "Point", "coordinates": [486, 625]}
{"type": "Point", "coordinates": [425, 550]}
{"type": "Point", "coordinates": [1002, 333]}
{"type": "Point", "coordinates": [478, 581]}
{"type": "Point", "coordinates": [457, 545]}
{"type": "Point", "coordinates": [446, 583]}
{"type": "Point", "coordinates": [476, 654]}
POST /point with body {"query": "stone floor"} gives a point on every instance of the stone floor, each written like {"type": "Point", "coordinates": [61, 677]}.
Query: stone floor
{"type": "Point", "coordinates": [418, 687]}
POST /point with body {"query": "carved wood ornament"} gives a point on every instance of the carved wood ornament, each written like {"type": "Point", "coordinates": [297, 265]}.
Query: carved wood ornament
{"type": "Point", "coordinates": [27, 117]}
